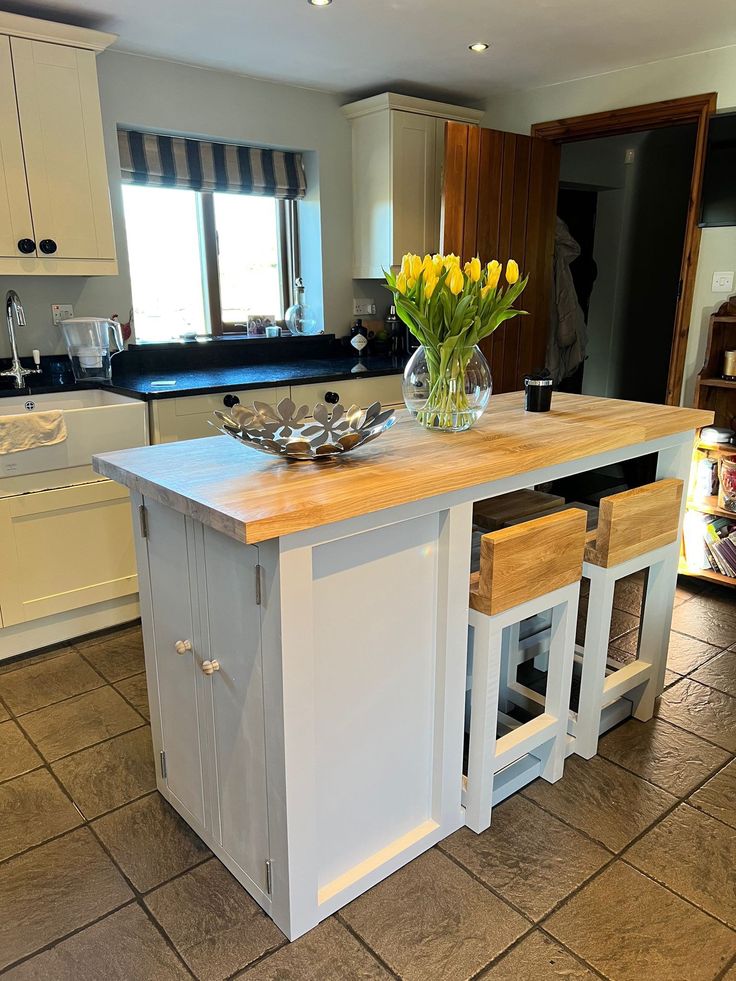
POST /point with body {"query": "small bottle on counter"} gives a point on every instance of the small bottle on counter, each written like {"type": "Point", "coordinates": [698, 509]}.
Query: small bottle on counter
{"type": "Point", "coordinates": [359, 337]}
{"type": "Point", "coordinates": [396, 334]}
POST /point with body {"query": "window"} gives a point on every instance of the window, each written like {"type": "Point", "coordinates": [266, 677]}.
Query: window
{"type": "Point", "coordinates": [207, 262]}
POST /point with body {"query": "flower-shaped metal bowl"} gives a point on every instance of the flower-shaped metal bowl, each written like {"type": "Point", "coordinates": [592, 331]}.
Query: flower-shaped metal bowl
{"type": "Point", "coordinates": [285, 430]}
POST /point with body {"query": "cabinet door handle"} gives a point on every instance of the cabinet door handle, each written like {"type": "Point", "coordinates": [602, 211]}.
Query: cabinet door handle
{"type": "Point", "coordinates": [209, 667]}
{"type": "Point", "coordinates": [183, 646]}
{"type": "Point", "coordinates": [332, 398]}
{"type": "Point", "coordinates": [26, 246]}
{"type": "Point", "coordinates": [230, 400]}
{"type": "Point", "coordinates": [48, 246]}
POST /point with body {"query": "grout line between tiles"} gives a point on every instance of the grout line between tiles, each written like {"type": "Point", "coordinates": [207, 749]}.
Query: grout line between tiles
{"type": "Point", "coordinates": [364, 943]}
{"type": "Point", "coordinates": [164, 936]}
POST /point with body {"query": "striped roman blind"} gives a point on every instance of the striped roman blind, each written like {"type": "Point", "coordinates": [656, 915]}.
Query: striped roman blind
{"type": "Point", "coordinates": [199, 165]}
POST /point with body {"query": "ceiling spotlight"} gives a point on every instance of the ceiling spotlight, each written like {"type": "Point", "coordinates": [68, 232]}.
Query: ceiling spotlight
{"type": "Point", "coordinates": [477, 46]}
{"type": "Point", "coordinates": [319, 3]}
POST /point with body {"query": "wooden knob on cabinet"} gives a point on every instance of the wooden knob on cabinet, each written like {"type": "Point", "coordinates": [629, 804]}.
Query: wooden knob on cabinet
{"type": "Point", "coordinates": [182, 646]}
{"type": "Point", "coordinates": [209, 667]}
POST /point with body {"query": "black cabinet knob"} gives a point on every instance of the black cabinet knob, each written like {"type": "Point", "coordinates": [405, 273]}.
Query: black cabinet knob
{"type": "Point", "coordinates": [26, 246]}
{"type": "Point", "coordinates": [47, 246]}
{"type": "Point", "coordinates": [230, 400]}
{"type": "Point", "coordinates": [332, 398]}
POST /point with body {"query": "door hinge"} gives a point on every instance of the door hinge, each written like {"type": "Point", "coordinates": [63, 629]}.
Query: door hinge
{"type": "Point", "coordinates": [258, 585]}
{"type": "Point", "coordinates": [269, 876]}
{"type": "Point", "coordinates": [143, 520]}
{"type": "Point", "coordinates": [163, 764]}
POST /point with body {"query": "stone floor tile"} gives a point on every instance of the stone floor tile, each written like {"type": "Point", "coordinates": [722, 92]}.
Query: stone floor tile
{"type": "Point", "coordinates": [537, 958]}
{"type": "Point", "coordinates": [135, 690]}
{"type": "Point", "coordinates": [719, 672]}
{"type": "Point", "coordinates": [13, 663]}
{"type": "Point", "coordinates": [41, 683]}
{"type": "Point", "coordinates": [665, 755]}
{"type": "Point", "coordinates": [710, 617]}
{"type": "Point", "coordinates": [16, 753]}
{"type": "Point", "coordinates": [670, 677]}
{"type": "Point", "coordinates": [327, 953]}
{"type": "Point", "coordinates": [432, 920]}
{"type": "Point", "coordinates": [149, 841]}
{"type": "Point", "coordinates": [125, 946]}
{"type": "Point", "coordinates": [717, 797]}
{"type": "Point", "coordinates": [705, 711]}
{"type": "Point", "coordinates": [695, 855]}
{"type": "Point", "coordinates": [118, 655]}
{"type": "Point", "coordinates": [212, 921]}
{"type": "Point", "coordinates": [687, 653]}
{"type": "Point", "coordinates": [527, 856]}
{"type": "Point", "coordinates": [33, 808]}
{"type": "Point", "coordinates": [78, 722]}
{"type": "Point", "coordinates": [49, 891]}
{"type": "Point", "coordinates": [628, 927]}
{"type": "Point", "coordinates": [611, 805]}
{"type": "Point", "coordinates": [628, 596]}
{"type": "Point", "coordinates": [109, 774]}
{"type": "Point", "coordinates": [4, 714]}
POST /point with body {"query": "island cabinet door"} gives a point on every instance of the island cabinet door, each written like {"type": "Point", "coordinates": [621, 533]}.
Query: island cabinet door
{"type": "Point", "coordinates": [177, 652]}
{"type": "Point", "coordinates": [229, 592]}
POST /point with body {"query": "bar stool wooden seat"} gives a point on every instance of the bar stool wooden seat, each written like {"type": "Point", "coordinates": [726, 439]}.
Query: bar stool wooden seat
{"type": "Point", "coordinates": [637, 530]}
{"type": "Point", "coordinates": [524, 570]}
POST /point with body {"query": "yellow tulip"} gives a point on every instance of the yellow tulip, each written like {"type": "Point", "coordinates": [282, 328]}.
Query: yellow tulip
{"type": "Point", "coordinates": [401, 283]}
{"type": "Point", "coordinates": [406, 263]}
{"type": "Point", "coordinates": [411, 283]}
{"type": "Point", "coordinates": [430, 286]}
{"type": "Point", "coordinates": [416, 266]}
{"type": "Point", "coordinates": [472, 270]}
{"type": "Point", "coordinates": [485, 290]}
{"type": "Point", "coordinates": [455, 280]}
{"type": "Point", "coordinates": [451, 260]}
{"type": "Point", "coordinates": [428, 267]}
{"type": "Point", "coordinates": [438, 261]}
{"type": "Point", "coordinates": [494, 274]}
{"type": "Point", "coordinates": [512, 272]}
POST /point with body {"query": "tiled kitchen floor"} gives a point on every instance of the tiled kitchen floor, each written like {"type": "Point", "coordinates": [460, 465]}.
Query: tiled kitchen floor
{"type": "Point", "coordinates": [622, 870]}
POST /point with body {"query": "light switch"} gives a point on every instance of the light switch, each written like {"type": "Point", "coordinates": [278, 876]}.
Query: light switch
{"type": "Point", "coordinates": [722, 282]}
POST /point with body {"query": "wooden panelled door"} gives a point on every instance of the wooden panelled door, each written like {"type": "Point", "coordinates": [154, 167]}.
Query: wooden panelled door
{"type": "Point", "coordinates": [499, 201]}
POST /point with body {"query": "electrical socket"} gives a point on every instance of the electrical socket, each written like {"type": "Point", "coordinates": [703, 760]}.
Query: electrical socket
{"type": "Point", "coordinates": [722, 282]}
{"type": "Point", "coordinates": [363, 307]}
{"type": "Point", "coordinates": [61, 311]}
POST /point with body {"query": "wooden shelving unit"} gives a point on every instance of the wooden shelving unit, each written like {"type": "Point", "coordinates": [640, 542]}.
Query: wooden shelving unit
{"type": "Point", "coordinates": [719, 395]}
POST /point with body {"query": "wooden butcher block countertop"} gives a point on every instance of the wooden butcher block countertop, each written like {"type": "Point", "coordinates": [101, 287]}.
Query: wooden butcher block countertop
{"type": "Point", "coordinates": [253, 497]}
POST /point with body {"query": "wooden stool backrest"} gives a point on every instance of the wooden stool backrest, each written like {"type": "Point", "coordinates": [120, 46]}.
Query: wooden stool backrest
{"type": "Point", "coordinates": [636, 521]}
{"type": "Point", "coordinates": [528, 560]}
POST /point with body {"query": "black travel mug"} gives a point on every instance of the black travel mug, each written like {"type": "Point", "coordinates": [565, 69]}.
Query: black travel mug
{"type": "Point", "coordinates": [538, 393]}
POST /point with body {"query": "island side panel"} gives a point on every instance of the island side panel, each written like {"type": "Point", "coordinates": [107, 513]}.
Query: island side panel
{"type": "Point", "coordinates": [365, 706]}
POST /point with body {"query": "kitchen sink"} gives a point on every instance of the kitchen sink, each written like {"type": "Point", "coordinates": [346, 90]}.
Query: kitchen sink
{"type": "Point", "coordinates": [97, 421]}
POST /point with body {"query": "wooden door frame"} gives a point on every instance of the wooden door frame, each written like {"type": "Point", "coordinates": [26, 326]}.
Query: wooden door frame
{"type": "Point", "coordinates": [632, 119]}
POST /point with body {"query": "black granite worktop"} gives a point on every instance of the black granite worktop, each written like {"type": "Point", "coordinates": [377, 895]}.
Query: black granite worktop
{"type": "Point", "coordinates": [220, 367]}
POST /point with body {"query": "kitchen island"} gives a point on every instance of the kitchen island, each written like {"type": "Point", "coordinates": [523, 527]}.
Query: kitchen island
{"type": "Point", "coordinates": [305, 630]}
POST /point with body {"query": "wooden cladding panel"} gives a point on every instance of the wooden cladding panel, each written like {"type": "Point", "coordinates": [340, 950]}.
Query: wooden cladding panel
{"type": "Point", "coordinates": [500, 202]}
{"type": "Point", "coordinates": [526, 561]}
{"type": "Point", "coordinates": [636, 521]}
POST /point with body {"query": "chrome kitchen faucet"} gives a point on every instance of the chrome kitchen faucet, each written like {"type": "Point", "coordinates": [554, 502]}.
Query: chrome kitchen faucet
{"type": "Point", "coordinates": [13, 306]}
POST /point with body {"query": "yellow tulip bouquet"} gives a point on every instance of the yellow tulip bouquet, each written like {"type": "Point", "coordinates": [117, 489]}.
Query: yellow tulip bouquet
{"type": "Point", "coordinates": [450, 308]}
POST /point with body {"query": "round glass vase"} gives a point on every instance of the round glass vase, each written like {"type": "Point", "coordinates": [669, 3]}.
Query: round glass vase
{"type": "Point", "coordinates": [447, 393]}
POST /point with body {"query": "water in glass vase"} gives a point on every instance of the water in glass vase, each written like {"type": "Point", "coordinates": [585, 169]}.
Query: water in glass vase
{"type": "Point", "coordinates": [447, 390]}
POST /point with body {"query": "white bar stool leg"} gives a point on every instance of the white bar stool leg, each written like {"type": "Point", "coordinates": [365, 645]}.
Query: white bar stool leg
{"type": "Point", "coordinates": [595, 654]}
{"type": "Point", "coordinates": [656, 620]}
{"type": "Point", "coordinates": [483, 713]}
{"type": "Point", "coordinates": [510, 658]}
{"type": "Point", "coordinates": [559, 678]}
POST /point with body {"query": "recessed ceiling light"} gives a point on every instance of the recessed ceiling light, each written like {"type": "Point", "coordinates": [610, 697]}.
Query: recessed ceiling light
{"type": "Point", "coordinates": [320, 3]}
{"type": "Point", "coordinates": [477, 46]}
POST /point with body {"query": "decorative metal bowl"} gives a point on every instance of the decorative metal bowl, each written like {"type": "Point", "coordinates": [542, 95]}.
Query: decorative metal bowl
{"type": "Point", "coordinates": [285, 430]}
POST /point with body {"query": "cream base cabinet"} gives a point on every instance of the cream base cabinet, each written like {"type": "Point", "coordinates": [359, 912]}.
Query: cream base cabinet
{"type": "Point", "coordinates": [200, 609]}
{"type": "Point", "coordinates": [398, 154]}
{"type": "Point", "coordinates": [64, 549]}
{"type": "Point", "coordinates": [359, 391]}
{"type": "Point", "coordinates": [55, 216]}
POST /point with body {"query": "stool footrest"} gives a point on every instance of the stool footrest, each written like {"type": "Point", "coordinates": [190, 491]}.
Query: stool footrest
{"type": "Point", "coordinates": [623, 680]}
{"type": "Point", "coordinates": [525, 739]}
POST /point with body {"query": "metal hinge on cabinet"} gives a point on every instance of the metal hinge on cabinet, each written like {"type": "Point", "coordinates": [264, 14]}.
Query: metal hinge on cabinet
{"type": "Point", "coordinates": [258, 585]}
{"type": "Point", "coordinates": [163, 764]}
{"type": "Point", "coordinates": [269, 876]}
{"type": "Point", "coordinates": [143, 519]}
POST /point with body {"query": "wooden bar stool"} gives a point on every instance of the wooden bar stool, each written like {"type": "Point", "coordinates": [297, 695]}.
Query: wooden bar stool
{"type": "Point", "coordinates": [524, 570]}
{"type": "Point", "coordinates": [637, 530]}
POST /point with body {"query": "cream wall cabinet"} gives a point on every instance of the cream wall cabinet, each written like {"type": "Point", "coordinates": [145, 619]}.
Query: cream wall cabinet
{"type": "Point", "coordinates": [201, 604]}
{"type": "Point", "coordinates": [55, 216]}
{"type": "Point", "coordinates": [65, 549]}
{"type": "Point", "coordinates": [398, 152]}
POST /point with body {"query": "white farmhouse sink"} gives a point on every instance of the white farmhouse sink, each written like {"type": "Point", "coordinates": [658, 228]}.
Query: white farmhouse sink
{"type": "Point", "coordinates": [97, 421]}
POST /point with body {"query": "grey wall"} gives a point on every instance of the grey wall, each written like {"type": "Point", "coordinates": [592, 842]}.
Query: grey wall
{"type": "Point", "coordinates": [171, 97]}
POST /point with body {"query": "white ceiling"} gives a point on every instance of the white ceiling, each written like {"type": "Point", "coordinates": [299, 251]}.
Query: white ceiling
{"type": "Point", "coordinates": [417, 46]}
